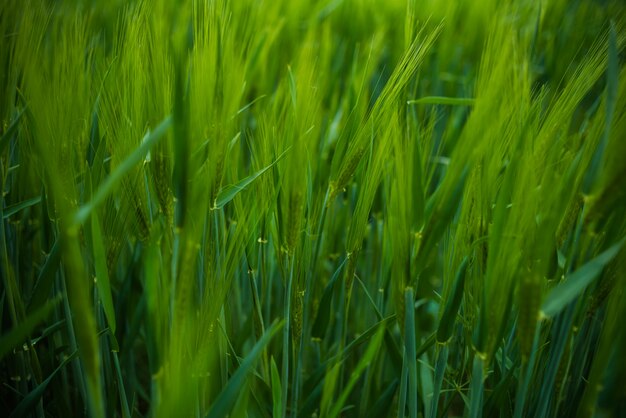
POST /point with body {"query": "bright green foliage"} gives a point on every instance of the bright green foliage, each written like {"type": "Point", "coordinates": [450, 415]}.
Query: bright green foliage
{"type": "Point", "coordinates": [336, 208]}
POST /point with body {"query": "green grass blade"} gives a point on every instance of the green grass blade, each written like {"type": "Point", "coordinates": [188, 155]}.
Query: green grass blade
{"type": "Point", "coordinates": [323, 313]}
{"type": "Point", "coordinates": [102, 273]}
{"type": "Point", "coordinates": [577, 282]}
{"type": "Point", "coordinates": [276, 391]}
{"type": "Point", "coordinates": [477, 388]}
{"type": "Point", "coordinates": [45, 280]}
{"type": "Point", "coordinates": [409, 347]}
{"type": "Point", "coordinates": [440, 370]}
{"type": "Point", "coordinates": [363, 363]}
{"type": "Point", "coordinates": [8, 134]}
{"type": "Point", "coordinates": [228, 193]}
{"type": "Point", "coordinates": [13, 209]}
{"type": "Point", "coordinates": [227, 397]}
{"type": "Point", "coordinates": [382, 405]}
{"type": "Point", "coordinates": [18, 334]}
{"type": "Point", "coordinates": [448, 318]}
{"type": "Point", "coordinates": [26, 406]}
{"type": "Point", "coordinates": [116, 176]}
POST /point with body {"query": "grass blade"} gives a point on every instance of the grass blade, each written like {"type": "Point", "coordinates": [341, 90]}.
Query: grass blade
{"type": "Point", "coordinates": [363, 363]}
{"type": "Point", "coordinates": [29, 402]}
{"type": "Point", "coordinates": [13, 209]}
{"type": "Point", "coordinates": [276, 391]}
{"type": "Point", "coordinates": [410, 355]}
{"type": "Point", "coordinates": [18, 334]}
{"type": "Point", "coordinates": [102, 273]}
{"type": "Point", "coordinates": [45, 280]}
{"type": "Point", "coordinates": [228, 193]}
{"type": "Point", "coordinates": [116, 176]}
{"type": "Point", "coordinates": [577, 282]}
{"type": "Point", "coordinates": [448, 318]}
{"type": "Point", "coordinates": [6, 136]}
{"type": "Point", "coordinates": [227, 397]}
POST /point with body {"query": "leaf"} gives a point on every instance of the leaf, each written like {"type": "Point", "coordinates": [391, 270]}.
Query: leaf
{"type": "Point", "coordinates": [228, 193]}
{"type": "Point", "coordinates": [476, 388]}
{"type": "Point", "coordinates": [383, 404]}
{"type": "Point", "coordinates": [575, 284]}
{"type": "Point", "coordinates": [226, 399]}
{"type": "Point", "coordinates": [276, 391]}
{"type": "Point", "coordinates": [13, 209]}
{"type": "Point", "coordinates": [446, 324]}
{"type": "Point", "coordinates": [45, 281]}
{"type": "Point", "coordinates": [102, 274]}
{"type": "Point", "coordinates": [440, 100]}
{"type": "Point", "coordinates": [30, 400]}
{"type": "Point", "coordinates": [363, 363]}
{"type": "Point", "coordinates": [6, 137]}
{"type": "Point", "coordinates": [410, 357]}
{"type": "Point", "coordinates": [323, 313]}
{"type": "Point", "coordinates": [111, 182]}
{"type": "Point", "coordinates": [440, 369]}
{"type": "Point", "coordinates": [18, 334]}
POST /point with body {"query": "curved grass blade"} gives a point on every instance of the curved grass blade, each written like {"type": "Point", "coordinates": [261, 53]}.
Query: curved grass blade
{"type": "Point", "coordinates": [112, 181]}
{"type": "Point", "coordinates": [6, 136]}
{"type": "Point", "coordinates": [228, 193]}
{"type": "Point", "coordinates": [13, 209]}
{"type": "Point", "coordinates": [29, 402]}
{"type": "Point", "coordinates": [102, 274]}
{"type": "Point", "coordinates": [446, 324]}
{"type": "Point", "coordinates": [575, 284]}
{"type": "Point", "coordinates": [45, 281]}
{"type": "Point", "coordinates": [18, 334]}
{"type": "Point", "coordinates": [364, 362]}
{"type": "Point", "coordinates": [383, 404]}
{"type": "Point", "coordinates": [226, 399]}
{"type": "Point", "coordinates": [323, 313]}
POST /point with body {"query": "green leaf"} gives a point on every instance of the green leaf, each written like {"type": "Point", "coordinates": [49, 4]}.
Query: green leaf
{"type": "Point", "coordinates": [30, 401]}
{"type": "Point", "coordinates": [228, 193]}
{"type": "Point", "coordinates": [102, 274]}
{"type": "Point", "coordinates": [383, 404]}
{"type": "Point", "coordinates": [112, 181]}
{"type": "Point", "coordinates": [276, 391]}
{"type": "Point", "coordinates": [575, 284]}
{"type": "Point", "coordinates": [410, 357]}
{"type": "Point", "coordinates": [13, 209]}
{"type": "Point", "coordinates": [446, 324]}
{"type": "Point", "coordinates": [363, 363]}
{"type": "Point", "coordinates": [18, 334]}
{"type": "Point", "coordinates": [476, 388]}
{"type": "Point", "coordinates": [440, 369]}
{"type": "Point", "coordinates": [323, 313]}
{"type": "Point", "coordinates": [6, 137]}
{"type": "Point", "coordinates": [45, 280]}
{"type": "Point", "coordinates": [226, 399]}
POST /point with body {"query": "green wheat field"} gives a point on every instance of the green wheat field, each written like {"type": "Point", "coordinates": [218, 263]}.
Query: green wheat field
{"type": "Point", "coordinates": [315, 209]}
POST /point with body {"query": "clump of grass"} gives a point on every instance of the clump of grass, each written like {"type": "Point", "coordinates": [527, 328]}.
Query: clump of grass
{"type": "Point", "coordinates": [282, 209]}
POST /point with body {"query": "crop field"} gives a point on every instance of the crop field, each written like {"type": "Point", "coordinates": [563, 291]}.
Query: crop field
{"type": "Point", "coordinates": [315, 209]}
